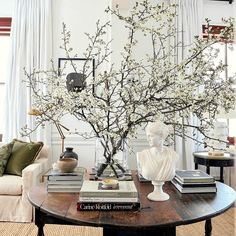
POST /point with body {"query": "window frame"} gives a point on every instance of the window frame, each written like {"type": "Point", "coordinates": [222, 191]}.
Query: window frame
{"type": "Point", "coordinates": [216, 29]}
{"type": "Point", "coordinates": [5, 30]}
{"type": "Point", "coordinates": [5, 26]}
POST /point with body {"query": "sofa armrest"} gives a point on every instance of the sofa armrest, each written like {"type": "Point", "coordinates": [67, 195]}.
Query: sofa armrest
{"type": "Point", "coordinates": [32, 174]}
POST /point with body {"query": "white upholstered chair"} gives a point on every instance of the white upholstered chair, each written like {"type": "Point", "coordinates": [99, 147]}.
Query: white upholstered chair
{"type": "Point", "coordinates": [14, 204]}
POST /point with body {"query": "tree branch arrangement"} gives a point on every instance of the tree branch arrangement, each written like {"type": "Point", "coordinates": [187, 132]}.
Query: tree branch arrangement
{"type": "Point", "coordinates": [141, 89]}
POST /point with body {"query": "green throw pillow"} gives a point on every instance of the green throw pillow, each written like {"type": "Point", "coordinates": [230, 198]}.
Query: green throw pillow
{"type": "Point", "coordinates": [5, 152]}
{"type": "Point", "coordinates": [23, 154]}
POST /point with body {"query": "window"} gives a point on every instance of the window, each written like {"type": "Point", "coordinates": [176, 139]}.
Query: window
{"type": "Point", "coordinates": [227, 54]}
{"type": "Point", "coordinates": [5, 27]}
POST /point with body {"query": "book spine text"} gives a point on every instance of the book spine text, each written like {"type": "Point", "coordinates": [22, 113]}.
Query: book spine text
{"type": "Point", "coordinates": [92, 206]}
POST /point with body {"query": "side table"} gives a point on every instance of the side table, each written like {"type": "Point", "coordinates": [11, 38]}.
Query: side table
{"type": "Point", "coordinates": [202, 158]}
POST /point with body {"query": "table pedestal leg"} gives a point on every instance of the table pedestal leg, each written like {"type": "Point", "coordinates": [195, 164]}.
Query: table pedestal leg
{"type": "Point", "coordinates": [39, 221]}
{"type": "Point", "coordinates": [208, 227]}
{"type": "Point", "coordinates": [164, 231]}
{"type": "Point", "coordinates": [222, 174]}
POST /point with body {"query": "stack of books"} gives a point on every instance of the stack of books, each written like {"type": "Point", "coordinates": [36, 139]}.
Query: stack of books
{"type": "Point", "coordinates": [194, 181]}
{"type": "Point", "coordinates": [65, 182]}
{"type": "Point", "coordinates": [93, 196]}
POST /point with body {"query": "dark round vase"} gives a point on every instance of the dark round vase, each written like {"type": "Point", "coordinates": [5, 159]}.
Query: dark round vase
{"type": "Point", "coordinates": [68, 153]}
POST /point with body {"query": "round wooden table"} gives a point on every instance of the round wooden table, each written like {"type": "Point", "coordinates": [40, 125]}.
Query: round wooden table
{"type": "Point", "coordinates": [202, 158]}
{"type": "Point", "coordinates": [153, 218]}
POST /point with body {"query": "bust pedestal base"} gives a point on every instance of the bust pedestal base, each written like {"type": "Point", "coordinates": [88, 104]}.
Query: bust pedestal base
{"type": "Point", "coordinates": [158, 194]}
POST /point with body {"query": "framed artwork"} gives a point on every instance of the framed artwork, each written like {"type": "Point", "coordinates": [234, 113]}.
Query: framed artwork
{"type": "Point", "coordinates": [78, 72]}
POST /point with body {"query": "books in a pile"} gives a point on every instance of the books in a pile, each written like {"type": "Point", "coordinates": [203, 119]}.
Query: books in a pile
{"type": "Point", "coordinates": [194, 181]}
{"type": "Point", "coordinates": [94, 197]}
{"type": "Point", "coordinates": [65, 182]}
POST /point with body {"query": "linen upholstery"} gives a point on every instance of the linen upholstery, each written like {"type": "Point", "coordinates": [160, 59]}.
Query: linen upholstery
{"type": "Point", "coordinates": [14, 204]}
{"type": "Point", "coordinates": [11, 185]}
{"type": "Point", "coordinates": [23, 154]}
{"type": "Point", "coordinates": [13, 209]}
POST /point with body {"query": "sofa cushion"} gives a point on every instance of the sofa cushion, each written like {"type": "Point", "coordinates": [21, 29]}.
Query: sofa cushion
{"type": "Point", "coordinates": [23, 154]}
{"type": "Point", "coordinates": [5, 152]}
{"type": "Point", "coordinates": [11, 185]}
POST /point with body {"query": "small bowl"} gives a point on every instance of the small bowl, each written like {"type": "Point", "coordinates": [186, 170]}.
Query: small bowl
{"type": "Point", "coordinates": [109, 183]}
{"type": "Point", "coordinates": [67, 165]}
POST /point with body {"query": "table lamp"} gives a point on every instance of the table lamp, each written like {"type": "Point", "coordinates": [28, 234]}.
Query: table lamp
{"type": "Point", "coordinates": [35, 112]}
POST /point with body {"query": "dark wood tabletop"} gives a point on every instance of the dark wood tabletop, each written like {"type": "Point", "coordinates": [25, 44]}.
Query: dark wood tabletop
{"type": "Point", "coordinates": [180, 209]}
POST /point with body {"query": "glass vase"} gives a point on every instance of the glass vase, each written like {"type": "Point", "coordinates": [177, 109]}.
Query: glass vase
{"type": "Point", "coordinates": [117, 166]}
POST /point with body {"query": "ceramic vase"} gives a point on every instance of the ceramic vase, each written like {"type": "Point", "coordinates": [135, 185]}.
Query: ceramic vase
{"type": "Point", "coordinates": [68, 153]}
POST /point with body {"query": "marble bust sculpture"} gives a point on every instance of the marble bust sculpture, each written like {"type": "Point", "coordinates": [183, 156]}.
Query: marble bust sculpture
{"type": "Point", "coordinates": [158, 162]}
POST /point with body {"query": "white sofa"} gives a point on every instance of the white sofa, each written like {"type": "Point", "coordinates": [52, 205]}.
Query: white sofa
{"type": "Point", "coordinates": [14, 204]}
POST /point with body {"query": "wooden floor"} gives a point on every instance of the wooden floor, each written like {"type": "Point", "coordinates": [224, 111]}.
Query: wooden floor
{"type": "Point", "coordinates": [223, 225]}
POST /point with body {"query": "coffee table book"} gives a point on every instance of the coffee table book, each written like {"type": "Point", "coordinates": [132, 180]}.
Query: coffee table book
{"type": "Point", "coordinates": [193, 176]}
{"type": "Point", "coordinates": [195, 184]}
{"type": "Point", "coordinates": [74, 189]}
{"type": "Point", "coordinates": [108, 199]}
{"type": "Point", "coordinates": [108, 206]}
{"type": "Point", "coordinates": [194, 188]}
{"type": "Point", "coordinates": [126, 189]}
{"type": "Point", "coordinates": [56, 175]}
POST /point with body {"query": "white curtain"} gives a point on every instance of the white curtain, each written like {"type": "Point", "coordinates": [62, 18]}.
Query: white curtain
{"type": "Point", "coordinates": [189, 25]}
{"type": "Point", "coordinates": [31, 48]}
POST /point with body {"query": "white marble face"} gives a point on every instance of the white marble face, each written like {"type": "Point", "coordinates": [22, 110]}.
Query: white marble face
{"type": "Point", "coordinates": [155, 140]}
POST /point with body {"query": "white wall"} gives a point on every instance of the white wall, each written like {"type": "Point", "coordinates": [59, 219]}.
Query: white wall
{"type": "Point", "coordinates": [216, 10]}
{"type": "Point", "coordinates": [7, 7]}
{"type": "Point", "coordinates": [80, 16]}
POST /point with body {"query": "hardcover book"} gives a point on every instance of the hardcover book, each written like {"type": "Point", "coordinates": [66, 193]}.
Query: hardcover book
{"type": "Point", "coordinates": [108, 199]}
{"type": "Point", "coordinates": [100, 206]}
{"type": "Point", "coordinates": [65, 182]}
{"type": "Point", "coordinates": [64, 190]}
{"type": "Point", "coordinates": [193, 189]}
{"type": "Point", "coordinates": [195, 184]}
{"type": "Point", "coordinates": [91, 189]}
{"type": "Point", "coordinates": [191, 176]}
{"type": "Point", "coordinates": [64, 186]}
{"type": "Point", "coordinates": [77, 174]}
